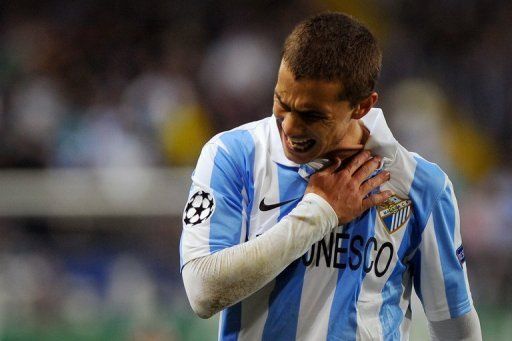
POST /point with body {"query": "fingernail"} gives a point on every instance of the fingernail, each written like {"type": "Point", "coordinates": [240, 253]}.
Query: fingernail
{"type": "Point", "coordinates": [388, 175]}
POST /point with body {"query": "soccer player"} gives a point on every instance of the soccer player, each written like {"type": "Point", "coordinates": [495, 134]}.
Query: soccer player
{"type": "Point", "coordinates": [296, 232]}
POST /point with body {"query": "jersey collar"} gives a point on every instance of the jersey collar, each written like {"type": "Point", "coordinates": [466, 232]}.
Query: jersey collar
{"type": "Point", "coordinates": [380, 142]}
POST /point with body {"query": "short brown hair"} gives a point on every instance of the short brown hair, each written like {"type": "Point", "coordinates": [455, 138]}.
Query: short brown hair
{"type": "Point", "coordinates": [335, 47]}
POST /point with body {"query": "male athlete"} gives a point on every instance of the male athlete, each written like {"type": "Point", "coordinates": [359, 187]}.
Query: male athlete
{"type": "Point", "coordinates": [296, 232]}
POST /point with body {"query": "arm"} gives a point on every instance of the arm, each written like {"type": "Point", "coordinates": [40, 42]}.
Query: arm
{"type": "Point", "coordinates": [218, 280]}
{"type": "Point", "coordinates": [465, 327]}
{"type": "Point", "coordinates": [440, 276]}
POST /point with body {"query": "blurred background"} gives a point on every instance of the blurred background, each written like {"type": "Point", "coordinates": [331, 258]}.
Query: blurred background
{"type": "Point", "coordinates": [104, 106]}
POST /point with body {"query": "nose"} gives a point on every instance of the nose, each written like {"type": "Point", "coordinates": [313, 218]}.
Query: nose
{"type": "Point", "coordinates": [292, 125]}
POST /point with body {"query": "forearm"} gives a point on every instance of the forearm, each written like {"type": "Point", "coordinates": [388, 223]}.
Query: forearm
{"type": "Point", "coordinates": [219, 280]}
{"type": "Point", "coordinates": [466, 327]}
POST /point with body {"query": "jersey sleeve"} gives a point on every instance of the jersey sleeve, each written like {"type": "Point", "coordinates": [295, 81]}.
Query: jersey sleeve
{"type": "Point", "coordinates": [214, 215]}
{"type": "Point", "coordinates": [439, 269]}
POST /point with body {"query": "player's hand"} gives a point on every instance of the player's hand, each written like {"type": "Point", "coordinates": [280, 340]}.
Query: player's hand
{"type": "Point", "coordinates": [346, 188]}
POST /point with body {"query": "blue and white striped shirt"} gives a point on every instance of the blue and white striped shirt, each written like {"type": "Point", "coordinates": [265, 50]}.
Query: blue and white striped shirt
{"type": "Point", "coordinates": [356, 283]}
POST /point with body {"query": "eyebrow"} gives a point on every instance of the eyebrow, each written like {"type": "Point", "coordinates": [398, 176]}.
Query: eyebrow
{"type": "Point", "coordinates": [302, 112]}
{"type": "Point", "coordinates": [281, 101]}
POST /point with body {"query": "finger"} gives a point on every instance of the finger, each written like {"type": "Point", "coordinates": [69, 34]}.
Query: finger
{"type": "Point", "coordinates": [367, 169]}
{"type": "Point", "coordinates": [376, 199]}
{"type": "Point", "coordinates": [357, 161]}
{"type": "Point", "coordinates": [336, 165]}
{"type": "Point", "coordinates": [375, 182]}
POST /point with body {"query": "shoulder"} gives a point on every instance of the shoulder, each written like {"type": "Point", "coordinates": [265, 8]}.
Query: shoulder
{"type": "Point", "coordinates": [244, 138]}
{"type": "Point", "coordinates": [428, 183]}
{"type": "Point", "coordinates": [429, 178]}
{"type": "Point", "coordinates": [234, 150]}
{"type": "Point", "coordinates": [412, 174]}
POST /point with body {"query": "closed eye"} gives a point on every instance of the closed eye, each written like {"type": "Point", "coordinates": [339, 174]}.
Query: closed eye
{"type": "Point", "coordinates": [311, 115]}
{"type": "Point", "coordinates": [306, 115]}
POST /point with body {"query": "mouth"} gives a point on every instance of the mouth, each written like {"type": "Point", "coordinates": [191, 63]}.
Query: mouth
{"type": "Point", "coordinates": [300, 146]}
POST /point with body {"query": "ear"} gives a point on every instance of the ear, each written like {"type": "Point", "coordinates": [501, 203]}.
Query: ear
{"type": "Point", "coordinates": [362, 108]}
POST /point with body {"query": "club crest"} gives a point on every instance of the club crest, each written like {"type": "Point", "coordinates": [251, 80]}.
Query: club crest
{"type": "Point", "coordinates": [394, 212]}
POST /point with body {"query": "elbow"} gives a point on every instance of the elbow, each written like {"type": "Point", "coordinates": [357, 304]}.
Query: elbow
{"type": "Point", "coordinates": [201, 308]}
{"type": "Point", "coordinates": [200, 298]}
{"type": "Point", "coordinates": [206, 305]}
{"type": "Point", "coordinates": [204, 314]}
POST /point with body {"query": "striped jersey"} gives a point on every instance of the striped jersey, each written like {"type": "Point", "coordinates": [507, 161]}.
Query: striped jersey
{"type": "Point", "coordinates": [356, 283]}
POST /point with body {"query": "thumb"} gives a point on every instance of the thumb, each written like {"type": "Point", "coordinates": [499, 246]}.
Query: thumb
{"type": "Point", "coordinates": [335, 165]}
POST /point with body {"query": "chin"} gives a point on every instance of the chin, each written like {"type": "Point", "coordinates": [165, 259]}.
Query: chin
{"type": "Point", "coordinates": [300, 159]}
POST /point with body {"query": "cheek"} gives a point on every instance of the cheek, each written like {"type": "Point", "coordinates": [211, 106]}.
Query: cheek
{"type": "Point", "coordinates": [335, 135]}
{"type": "Point", "coordinates": [279, 115]}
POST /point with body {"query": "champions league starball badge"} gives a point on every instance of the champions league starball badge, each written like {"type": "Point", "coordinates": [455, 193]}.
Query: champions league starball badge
{"type": "Point", "coordinates": [199, 208]}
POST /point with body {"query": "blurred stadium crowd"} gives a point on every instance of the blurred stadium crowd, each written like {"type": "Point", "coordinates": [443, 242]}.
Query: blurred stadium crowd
{"type": "Point", "coordinates": [136, 84]}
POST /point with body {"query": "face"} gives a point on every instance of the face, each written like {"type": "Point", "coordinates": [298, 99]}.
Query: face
{"type": "Point", "coordinates": [312, 121]}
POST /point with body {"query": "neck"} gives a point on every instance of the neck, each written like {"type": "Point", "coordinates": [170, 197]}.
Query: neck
{"type": "Point", "coordinates": [353, 141]}
{"type": "Point", "coordinates": [356, 136]}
